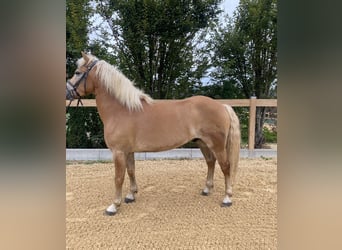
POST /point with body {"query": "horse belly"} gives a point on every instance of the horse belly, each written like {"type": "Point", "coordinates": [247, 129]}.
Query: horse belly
{"type": "Point", "coordinates": [162, 136]}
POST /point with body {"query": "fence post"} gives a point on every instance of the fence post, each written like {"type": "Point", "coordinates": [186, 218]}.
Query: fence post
{"type": "Point", "coordinates": [251, 127]}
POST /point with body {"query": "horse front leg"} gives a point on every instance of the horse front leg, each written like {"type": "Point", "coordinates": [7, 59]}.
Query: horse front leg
{"type": "Point", "coordinates": [130, 197]}
{"type": "Point", "coordinates": [120, 162]}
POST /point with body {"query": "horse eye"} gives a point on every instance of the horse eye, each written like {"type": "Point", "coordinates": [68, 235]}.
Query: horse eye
{"type": "Point", "coordinates": [77, 73]}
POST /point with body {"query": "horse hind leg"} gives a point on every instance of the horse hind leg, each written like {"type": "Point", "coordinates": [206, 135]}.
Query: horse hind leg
{"type": "Point", "coordinates": [130, 197]}
{"type": "Point", "coordinates": [226, 169]}
{"type": "Point", "coordinates": [210, 160]}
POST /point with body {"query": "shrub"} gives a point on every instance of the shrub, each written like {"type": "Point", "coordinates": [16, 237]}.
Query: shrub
{"type": "Point", "coordinates": [84, 128]}
{"type": "Point", "coordinates": [270, 135]}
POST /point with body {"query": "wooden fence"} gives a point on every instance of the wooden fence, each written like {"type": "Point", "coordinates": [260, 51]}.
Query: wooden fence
{"type": "Point", "coordinates": [252, 103]}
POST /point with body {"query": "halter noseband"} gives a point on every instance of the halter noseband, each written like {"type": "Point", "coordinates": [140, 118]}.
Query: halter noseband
{"type": "Point", "coordinates": [75, 86]}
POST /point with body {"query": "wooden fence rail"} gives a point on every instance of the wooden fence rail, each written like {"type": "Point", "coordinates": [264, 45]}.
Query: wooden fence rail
{"type": "Point", "coordinates": [252, 103]}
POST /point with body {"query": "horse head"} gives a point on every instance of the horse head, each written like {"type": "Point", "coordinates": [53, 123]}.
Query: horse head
{"type": "Point", "coordinates": [81, 78]}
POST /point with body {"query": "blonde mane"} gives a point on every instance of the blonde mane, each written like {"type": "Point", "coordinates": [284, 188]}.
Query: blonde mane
{"type": "Point", "coordinates": [118, 85]}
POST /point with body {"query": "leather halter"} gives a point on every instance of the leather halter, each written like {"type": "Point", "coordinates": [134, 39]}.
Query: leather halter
{"type": "Point", "coordinates": [75, 86]}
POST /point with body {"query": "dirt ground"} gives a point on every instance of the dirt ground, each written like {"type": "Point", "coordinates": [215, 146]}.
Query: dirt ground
{"type": "Point", "coordinates": [169, 212]}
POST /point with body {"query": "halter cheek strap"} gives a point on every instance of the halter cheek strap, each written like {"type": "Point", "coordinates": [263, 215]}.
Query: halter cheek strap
{"type": "Point", "coordinates": [90, 66]}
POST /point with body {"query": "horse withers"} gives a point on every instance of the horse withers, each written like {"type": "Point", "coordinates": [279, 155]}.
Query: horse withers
{"type": "Point", "coordinates": [134, 122]}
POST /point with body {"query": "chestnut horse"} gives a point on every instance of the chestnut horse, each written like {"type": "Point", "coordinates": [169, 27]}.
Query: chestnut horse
{"type": "Point", "coordinates": [134, 122]}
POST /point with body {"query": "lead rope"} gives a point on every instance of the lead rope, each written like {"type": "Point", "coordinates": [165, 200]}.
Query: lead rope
{"type": "Point", "coordinates": [79, 101]}
{"type": "Point", "coordinates": [67, 109]}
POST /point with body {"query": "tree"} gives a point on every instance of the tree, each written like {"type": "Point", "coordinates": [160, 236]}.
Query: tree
{"type": "Point", "coordinates": [246, 53]}
{"type": "Point", "coordinates": [77, 22]}
{"type": "Point", "coordinates": [154, 40]}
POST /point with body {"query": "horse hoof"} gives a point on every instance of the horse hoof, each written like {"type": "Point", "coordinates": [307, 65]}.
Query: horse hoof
{"type": "Point", "coordinates": [204, 193]}
{"type": "Point", "coordinates": [223, 204]}
{"type": "Point", "coordinates": [109, 213]}
{"type": "Point", "coordinates": [127, 200]}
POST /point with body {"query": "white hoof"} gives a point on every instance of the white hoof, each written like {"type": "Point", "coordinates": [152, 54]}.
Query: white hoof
{"type": "Point", "coordinates": [226, 202]}
{"type": "Point", "coordinates": [205, 191]}
{"type": "Point", "coordinates": [129, 198]}
{"type": "Point", "coordinates": [111, 210]}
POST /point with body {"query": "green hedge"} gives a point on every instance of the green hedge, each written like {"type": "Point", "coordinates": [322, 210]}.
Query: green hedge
{"type": "Point", "coordinates": [84, 128]}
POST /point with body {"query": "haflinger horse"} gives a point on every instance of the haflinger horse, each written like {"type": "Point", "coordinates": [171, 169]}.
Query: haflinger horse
{"type": "Point", "coordinates": [134, 122]}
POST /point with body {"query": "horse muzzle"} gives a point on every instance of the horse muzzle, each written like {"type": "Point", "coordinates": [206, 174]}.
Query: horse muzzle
{"type": "Point", "coordinates": [70, 92]}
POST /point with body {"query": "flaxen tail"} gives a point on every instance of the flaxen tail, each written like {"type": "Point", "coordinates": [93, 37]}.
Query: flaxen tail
{"type": "Point", "coordinates": [233, 142]}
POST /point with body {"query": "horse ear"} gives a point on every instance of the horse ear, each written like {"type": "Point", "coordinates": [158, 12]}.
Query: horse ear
{"type": "Point", "coordinates": [85, 56]}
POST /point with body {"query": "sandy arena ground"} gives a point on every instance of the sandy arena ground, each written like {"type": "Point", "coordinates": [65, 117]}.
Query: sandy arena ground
{"type": "Point", "coordinates": [169, 212]}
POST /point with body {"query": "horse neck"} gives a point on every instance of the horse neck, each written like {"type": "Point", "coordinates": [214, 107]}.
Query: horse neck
{"type": "Point", "coordinates": [107, 104]}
